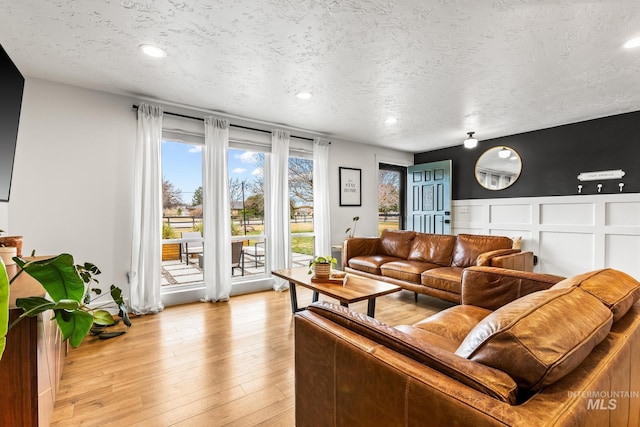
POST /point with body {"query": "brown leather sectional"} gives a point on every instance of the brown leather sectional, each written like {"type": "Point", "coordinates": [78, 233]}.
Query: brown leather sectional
{"type": "Point", "coordinates": [540, 351]}
{"type": "Point", "coordinates": [429, 264]}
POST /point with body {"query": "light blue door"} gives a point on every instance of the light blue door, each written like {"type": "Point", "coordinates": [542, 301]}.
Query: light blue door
{"type": "Point", "coordinates": [429, 197]}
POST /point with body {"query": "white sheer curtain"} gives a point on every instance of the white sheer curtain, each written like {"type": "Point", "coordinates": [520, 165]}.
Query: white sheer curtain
{"type": "Point", "coordinates": [278, 241]}
{"type": "Point", "coordinates": [215, 210]}
{"type": "Point", "coordinates": [321, 205]}
{"type": "Point", "coordinates": [144, 276]}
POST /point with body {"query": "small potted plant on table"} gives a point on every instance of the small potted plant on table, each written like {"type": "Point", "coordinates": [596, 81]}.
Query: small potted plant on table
{"type": "Point", "coordinates": [320, 266]}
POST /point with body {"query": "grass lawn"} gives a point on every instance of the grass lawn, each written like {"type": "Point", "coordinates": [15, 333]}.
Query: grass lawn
{"type": "Point", "coordinates": [301, 245]}
{"type": "Point", "coordinates": [392, 224]}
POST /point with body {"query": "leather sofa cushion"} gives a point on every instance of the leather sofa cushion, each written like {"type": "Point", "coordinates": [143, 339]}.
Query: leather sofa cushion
{"type": "Point", "coordinates": [469, 246]}
{"type": "Point", "coordinates": [444, 278]}
{"type": "Point", "coordinates": [371, 263]}
{"type": "Point", "coordinates": [409, 271]}
{"type": "Point", "coordinates": [427, 337]}
{"type": "Point", "coordinates": [491, 287]}
{"type": "Point", "coordinates": [615, 289]}
{"type": "Point", "coordinates": [483, 378]}
{"type": "Point", "coordinates": [541, 337]}
{"type": "Point", "coordinates": [396, 243]}
{"type": "Point", "coordinates": [454, 323]}
{"type": "Point", "coordinates": [433, 248]}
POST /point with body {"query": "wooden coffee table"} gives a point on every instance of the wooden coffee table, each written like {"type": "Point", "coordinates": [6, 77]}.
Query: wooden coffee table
{"type": "Point", "coordinates": [354, 289]}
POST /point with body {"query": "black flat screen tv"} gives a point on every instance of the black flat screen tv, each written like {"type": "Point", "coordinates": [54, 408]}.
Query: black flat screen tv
{"type": "Point", "coordinates": [11, 87]}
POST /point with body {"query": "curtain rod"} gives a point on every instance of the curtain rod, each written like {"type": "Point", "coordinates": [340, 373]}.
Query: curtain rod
{"type": "Point", "coordinates": [135, 107]}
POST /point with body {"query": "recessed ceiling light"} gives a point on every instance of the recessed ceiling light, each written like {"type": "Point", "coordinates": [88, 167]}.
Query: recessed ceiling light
{"type": "Point", "coordinates": [391, 121]}
{"type": "Point", "coordinates": [303, 95]}
{"type": "Point", "coordinates": [634, 42]}
{"type": "Point", "coordinates": [152, 51]}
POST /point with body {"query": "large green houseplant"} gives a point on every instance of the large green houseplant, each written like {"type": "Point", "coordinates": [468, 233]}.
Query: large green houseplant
{"type": "Point", "coordinates": [69, 287]}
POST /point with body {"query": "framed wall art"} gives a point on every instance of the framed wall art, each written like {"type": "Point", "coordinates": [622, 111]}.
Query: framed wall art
{"type": "Point", "coordinates": [350, 191]}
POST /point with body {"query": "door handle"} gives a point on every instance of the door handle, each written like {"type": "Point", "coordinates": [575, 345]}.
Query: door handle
{"type": "Point", "coordinates": [447, 221]}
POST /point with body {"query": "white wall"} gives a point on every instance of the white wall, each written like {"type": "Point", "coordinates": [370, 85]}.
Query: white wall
{"type": "Point", "coordinates": [367, 158]}
{"type": "Point", "coordinates": [569, 234]}
{"type": "Point", "coordinates": [4, 217]}
{"type": "Point", "coordinates": [72, 178]}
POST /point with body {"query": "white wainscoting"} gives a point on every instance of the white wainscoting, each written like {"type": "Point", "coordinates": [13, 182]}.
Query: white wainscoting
{"type": "Point", "coordinates": [569, 234]}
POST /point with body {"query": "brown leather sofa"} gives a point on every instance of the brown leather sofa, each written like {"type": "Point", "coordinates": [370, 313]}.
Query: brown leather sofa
{"type": "Point", "coordinates": [563, 356]}
{"type": "Point", "coordinates": [429, 264]}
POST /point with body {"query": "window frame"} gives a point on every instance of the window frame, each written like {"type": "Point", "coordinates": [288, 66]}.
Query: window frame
{"type": "Point", "coordinates": [402, 197]}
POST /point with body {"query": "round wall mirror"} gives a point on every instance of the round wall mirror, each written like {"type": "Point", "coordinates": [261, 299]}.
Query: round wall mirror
{"type": "Point", "coordinates": [498, 168]}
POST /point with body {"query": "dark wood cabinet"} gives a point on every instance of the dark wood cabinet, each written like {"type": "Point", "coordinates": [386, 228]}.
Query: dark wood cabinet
{"type": "Point", "coordinates": [32, 363]}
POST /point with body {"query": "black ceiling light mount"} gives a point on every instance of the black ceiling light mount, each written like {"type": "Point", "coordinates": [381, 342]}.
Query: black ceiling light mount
{"type": "Point", "coordinates": [470, 142]}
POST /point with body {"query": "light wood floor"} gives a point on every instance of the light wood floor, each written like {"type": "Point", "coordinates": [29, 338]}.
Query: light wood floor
{"type": "Point", "coordinates": [201, 364]}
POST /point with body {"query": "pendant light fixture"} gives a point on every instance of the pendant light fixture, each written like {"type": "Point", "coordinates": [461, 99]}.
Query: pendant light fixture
{"type": "Point", "coordinates": [504, 153]}
{"type": "Point", "coordinates": [470, 142]}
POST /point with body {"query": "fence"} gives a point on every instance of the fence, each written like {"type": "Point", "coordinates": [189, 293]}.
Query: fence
{"type": "Point", "coordinates": [182, 221]}
{"type": "Point", "coordinates": [192, 221]}
{"type": "Point", "coordinates": [388, 217]}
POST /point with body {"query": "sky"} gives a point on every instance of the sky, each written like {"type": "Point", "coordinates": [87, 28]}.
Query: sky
{"type": "Point", "coordinates": [182, 166]}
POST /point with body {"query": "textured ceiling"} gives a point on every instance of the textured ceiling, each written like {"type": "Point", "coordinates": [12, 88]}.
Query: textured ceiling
{"type": "Point", "coordinates": [496, 67]}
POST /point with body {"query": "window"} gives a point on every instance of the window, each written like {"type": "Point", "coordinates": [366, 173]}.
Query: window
{"type": "Point", "coordinates": [391, 198]}
{"type": "Point", "coordinates": [246, 183]}
{"type": "Point", "coordinates": [301, 210]}
{"type": "Point", "coordinates": [246, 194]}
{"type": "Point", "coordinates": [183, 190]}
{"type": "Point", "coordinates": [182, 243]}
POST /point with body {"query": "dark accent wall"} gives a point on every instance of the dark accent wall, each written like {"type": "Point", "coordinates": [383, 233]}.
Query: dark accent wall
{"type": "Point", "coordinates": [552, 159]}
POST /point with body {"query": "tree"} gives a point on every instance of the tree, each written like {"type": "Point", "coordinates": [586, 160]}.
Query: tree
{"type": "Point", "coordinates": [196, 213]}
{"type": "Point", "coordinates": [235, 192]}
{"type": "Point", "coordinates": [197, 197]}
{"type": "Point", "coordinates": [171, 196]}
{"type": "Point", "coordinates": [257, 184]}
{"type": "Point", "coordinates": [255, 204]}
{"type": "Point", "coordinates": [300, 181]}
{"type": "Point", "coordinates": [388, 191]}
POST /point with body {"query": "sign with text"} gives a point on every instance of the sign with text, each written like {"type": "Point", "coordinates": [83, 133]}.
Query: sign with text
{"type": "Point", "coordinates": [350, 192]}
{"type": "Point", "coordinates": [598, 175]}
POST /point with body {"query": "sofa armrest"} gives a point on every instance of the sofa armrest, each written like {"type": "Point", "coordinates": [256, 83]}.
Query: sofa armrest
{"type": "Point", "coordinates": [358, 246]}
{"type": "Point", "coordinates": [480, 377]}
{"type": "Point", "coordinates": [522, 261]}
{"type": "Point", "coordinates": [491, 287]}
{"type": "Point", "coordinates": [485, 258]}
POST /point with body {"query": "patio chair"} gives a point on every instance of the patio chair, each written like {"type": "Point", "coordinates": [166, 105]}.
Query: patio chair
{"type": "Point", "coordinates": [191, 247]}
{"type": "Point", "coordinates": [237, 257]}
{"type": "Point", "coordinates": [256, 251]}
